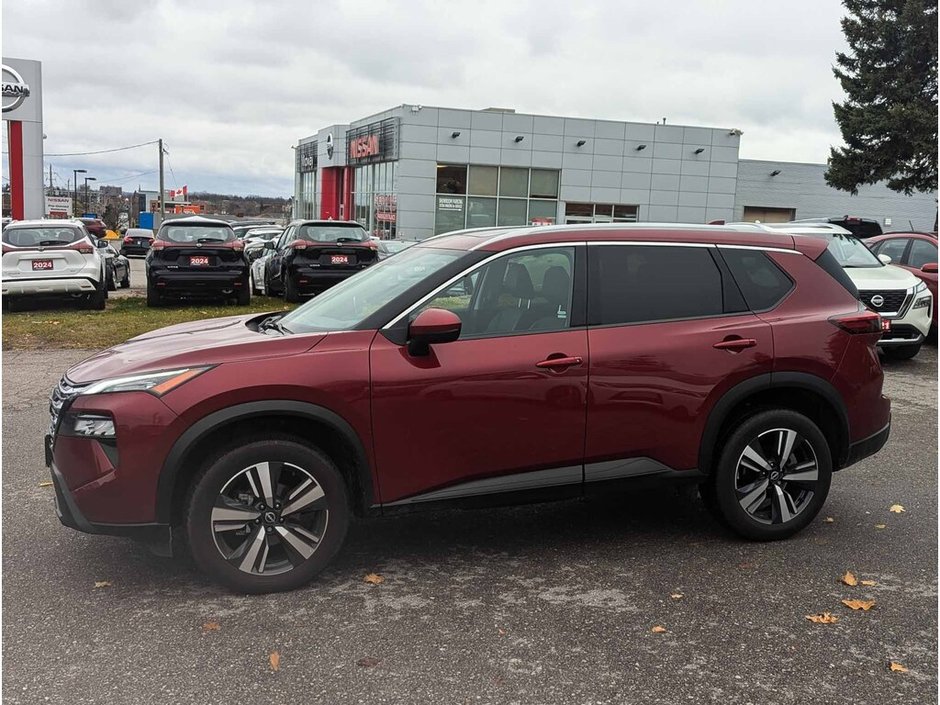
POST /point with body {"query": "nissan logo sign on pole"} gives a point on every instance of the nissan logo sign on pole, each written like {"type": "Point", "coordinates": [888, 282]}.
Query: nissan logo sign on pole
{"type": "Point", "coordinates": [15, 89]}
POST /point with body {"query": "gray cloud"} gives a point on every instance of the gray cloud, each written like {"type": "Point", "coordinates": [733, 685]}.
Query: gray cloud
{"type": "Point", "coordinates": [231, 85]}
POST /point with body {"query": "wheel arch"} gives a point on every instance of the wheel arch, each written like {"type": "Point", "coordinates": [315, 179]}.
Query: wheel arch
{"type": "Point", "coordinates": [811, 395]}
{"type": "Point", "coordinates": [327, 429]}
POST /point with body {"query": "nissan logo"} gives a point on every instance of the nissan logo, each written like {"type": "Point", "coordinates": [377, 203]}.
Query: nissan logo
{"type": "Point", "coordinates": [329, 146]}
{"type": "Point", "coordinates": [13, 87]}
{"type": "Point", "coordinates": [877, 300]}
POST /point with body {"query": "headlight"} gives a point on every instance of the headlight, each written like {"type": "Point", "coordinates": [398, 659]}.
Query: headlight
{"type": "Point", "coordinates": [156, 383]}
{"type": "Point", "coordinates": [921, 286]}
{"type": "Point", "coordinates": [923, 302]}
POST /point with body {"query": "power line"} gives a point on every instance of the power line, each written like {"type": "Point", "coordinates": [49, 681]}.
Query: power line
{"type": "Point", "coordinates": [101, 151]}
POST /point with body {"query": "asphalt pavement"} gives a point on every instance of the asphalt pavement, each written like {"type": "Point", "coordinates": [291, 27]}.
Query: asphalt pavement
{"type": "Point", "coordinates": [552, 603]}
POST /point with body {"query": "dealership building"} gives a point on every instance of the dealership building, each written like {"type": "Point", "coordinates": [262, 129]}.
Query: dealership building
{"type": "Point", "coordinates": [416, 171]}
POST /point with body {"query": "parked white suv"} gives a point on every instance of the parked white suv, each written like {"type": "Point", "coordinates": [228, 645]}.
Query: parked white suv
{"type": "Point", "coordinates": [901, 298]}
{"type": "Point", "coordinates": [53, 258]}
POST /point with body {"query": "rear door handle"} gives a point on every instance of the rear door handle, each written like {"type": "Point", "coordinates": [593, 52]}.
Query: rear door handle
{"type": "Point", "coordinates": [735, 344]}
{"type": "Point", "coordinates": [559, 363]}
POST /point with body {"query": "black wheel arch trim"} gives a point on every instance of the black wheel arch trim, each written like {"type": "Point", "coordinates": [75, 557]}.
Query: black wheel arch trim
{"type": "Point", "coordinates": [773, 380]}
{"type": "Point", "coordinates": [172, 466]}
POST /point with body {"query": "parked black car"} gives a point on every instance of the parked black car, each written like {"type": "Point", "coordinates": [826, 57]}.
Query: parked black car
{"type": "Point", "coordinates": [118, 268]}
{"type": "Point", "coordinates": [859, 227]}
{"type": "Point", "coordinates": [313, 255]}
{"type": "Point", "coordinates": [197, 257]}
{"type": "Point", "coordinates": [137, 241]}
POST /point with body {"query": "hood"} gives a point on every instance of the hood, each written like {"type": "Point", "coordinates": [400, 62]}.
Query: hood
{"type": "Point", "coordinates": [887, 277]}
{"type": "Point", "coordinates": [208, 342]}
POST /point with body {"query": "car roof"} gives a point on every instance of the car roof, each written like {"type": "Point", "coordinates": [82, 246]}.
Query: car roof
{"type": "Point", "coordinates": [45, 222]}
{"type": "Point", "coordinates": [197, 220]}
{"type": "Point", "coordinates": [498, 239]}
{"type": "Point", "coordinates": [919, 234]}
{"type": "Point", "coordinates": [315, 221]}
{"type": "Point", "coordinates": [836, 219]}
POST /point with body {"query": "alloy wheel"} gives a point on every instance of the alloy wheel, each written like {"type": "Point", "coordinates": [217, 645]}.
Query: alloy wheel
{"type": "Point", "coordinates": [776, 476]}
{"type": "Point", "coordinates": [269, 518]}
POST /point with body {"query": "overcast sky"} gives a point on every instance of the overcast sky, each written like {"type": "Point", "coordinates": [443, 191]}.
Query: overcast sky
{"type": "Point", "coordinates": [230, 86]}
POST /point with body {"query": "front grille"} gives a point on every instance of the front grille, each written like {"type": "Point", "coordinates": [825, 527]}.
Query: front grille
{"type": "Point", "coordinates": [62, 396]}
{"type": "Point", "coordinates": [892, 300]}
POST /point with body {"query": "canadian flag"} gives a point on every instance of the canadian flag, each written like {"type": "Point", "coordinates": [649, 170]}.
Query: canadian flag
{"type": "Point", "coordinates": [178, 192]}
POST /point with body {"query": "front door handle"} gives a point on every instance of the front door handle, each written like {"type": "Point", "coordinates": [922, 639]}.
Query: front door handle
{"type": "Point", "coordinates": [559, 363]}
{"type": "Point", "coordinates": [735, 344]}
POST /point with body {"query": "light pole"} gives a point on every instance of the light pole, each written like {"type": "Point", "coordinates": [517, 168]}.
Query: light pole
{"type": "Point", "coordinates": [87, 179]}
{"type": "Point", "coordinates": [75, 173]}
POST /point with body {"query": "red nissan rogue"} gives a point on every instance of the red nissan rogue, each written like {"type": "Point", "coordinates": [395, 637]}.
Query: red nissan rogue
{"type": "Point", "coordinates": [529, 363]}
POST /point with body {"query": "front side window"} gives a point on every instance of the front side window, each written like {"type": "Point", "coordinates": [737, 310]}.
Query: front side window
{"type": "Point", "coordinates": [893, 248]}
{"type": "Point", "coordinates": [922, 252]}
{"type": "Point", "coordinates": [525, 292]}
{"type": "Point", "coordinates": [641, 283]}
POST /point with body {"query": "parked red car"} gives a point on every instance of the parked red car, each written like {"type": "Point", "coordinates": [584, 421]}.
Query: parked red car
{"type": "Point", "coordinates": [528, 363]}
{"type": "Point", "coordinates": [916, 251]}
{"type": "Point", "coordinates": [95, 226]}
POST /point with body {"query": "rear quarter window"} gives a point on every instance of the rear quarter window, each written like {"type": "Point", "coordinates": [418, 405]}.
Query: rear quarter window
{"type": "Point", "coordinates": [762, 282]}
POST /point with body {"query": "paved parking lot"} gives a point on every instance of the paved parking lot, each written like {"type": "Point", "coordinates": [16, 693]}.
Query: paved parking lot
{"type": "Point", "coordinates": [138, 285]}
{"type": "Point", "coordinates": [538, 604]}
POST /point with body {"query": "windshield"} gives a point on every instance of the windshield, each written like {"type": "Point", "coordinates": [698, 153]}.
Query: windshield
{"type": "Point", "coordinates": [46, 237]}
{"type": "Point", "coordinates": [850, 252]}
{"type": "Point", "coordinates": [186, 234]}
{"type": "Point", "coordinates": [332, 233]}
{"type": "Point", "coordinates": [345, 305]}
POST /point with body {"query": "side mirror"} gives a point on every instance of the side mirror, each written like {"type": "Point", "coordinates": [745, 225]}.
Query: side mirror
{"type": "Point", "coordinates": [269, 244]}
{"type": "Point", "coordinates": [930, 268]}
{"type": "Point", "coordinates": [101, 244]}
{"type": "Point", "coordinates": [884, 259]}
{"type": "Point", "coordinates": [432, 327]}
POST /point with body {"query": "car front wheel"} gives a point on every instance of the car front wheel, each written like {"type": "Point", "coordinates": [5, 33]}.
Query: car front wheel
{"type": "Point", "coordinates": [772, 476]}
{"type": "Point", "coordinates": [267, 516]}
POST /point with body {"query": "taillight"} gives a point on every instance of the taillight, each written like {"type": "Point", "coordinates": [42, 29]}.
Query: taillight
{"type": "Point", "coordinates": [238, 245]}
{"type": "Point", "coordinates": [129, 240]}
{"type": "Point", "coordinates": [372, 244]}
{"type": "Point", "coordinates": [298, 245]}
{"type": "Point", "coordinates": [83, 247]}
{"type": "Point", "coordinates": [157, 245]}
{"type": "Point", "coordinates": [858, 323]}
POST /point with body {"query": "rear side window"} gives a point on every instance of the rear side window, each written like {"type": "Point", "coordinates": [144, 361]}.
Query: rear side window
{"type": "Point", "coordinates": [832, 267]}
{"type": "Point", "coordinates": [761, 281]}
{"type": "Point", "coordinates": [637, 283]}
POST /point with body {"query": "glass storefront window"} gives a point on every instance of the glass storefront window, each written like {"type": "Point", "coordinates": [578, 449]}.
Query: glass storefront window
{"type": "Point", "coordinates": [584, 210]}
{"type": "Point", "coordinates": [449, 214]}
{"type": "Point", "coordinates": [481, 212]}
{"type": "Point", "coordinates": [512, 211]}
{"type": "Point", "coordinates": [451, 179]}
{"type": "Point", "coordinates": [483, 181]}
{"type": "Point", "coordinates": [544, 184]}
{"type": "Point", "coordinates": [543, 211]}
{"type": "Point", "coordinates": [625, 214]}
{"type": "Point", "coordinates": [513, 182]}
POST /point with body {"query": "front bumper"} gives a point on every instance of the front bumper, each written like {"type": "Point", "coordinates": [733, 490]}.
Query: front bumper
{"type": "Point", "coordinates": [911, 325]}
{"type": "Point", "coordinates": [157, 537]}
{"type": "Point", "coordinates": [198, 282]}
{"type": "Point", "coordinates": [49, 287]}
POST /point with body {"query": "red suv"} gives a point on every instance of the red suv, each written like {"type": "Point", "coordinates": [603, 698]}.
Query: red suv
{"type": "Point", "coordinates": [530, 363]}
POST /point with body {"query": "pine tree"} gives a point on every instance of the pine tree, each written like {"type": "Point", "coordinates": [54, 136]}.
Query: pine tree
{"type": "Point", "coordinates": [889, 121]}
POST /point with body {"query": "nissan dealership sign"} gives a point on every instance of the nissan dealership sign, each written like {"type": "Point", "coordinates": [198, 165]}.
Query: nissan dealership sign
{"type": "Point", "coordinates": [15, 89]}
{"type": "Point", "coordinates": [22, 116]}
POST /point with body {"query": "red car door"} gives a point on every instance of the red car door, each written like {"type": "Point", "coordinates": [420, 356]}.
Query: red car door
{"type": "Point", "coordinates": [481, 415]}
{"type": "Point", "coordinates": [663, 347]}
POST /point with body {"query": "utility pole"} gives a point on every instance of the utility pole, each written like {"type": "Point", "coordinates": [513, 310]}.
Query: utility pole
{"type": "Point", "coordinates": [162, 194]}
{"type": "Point", "coordinates": [50, 178]}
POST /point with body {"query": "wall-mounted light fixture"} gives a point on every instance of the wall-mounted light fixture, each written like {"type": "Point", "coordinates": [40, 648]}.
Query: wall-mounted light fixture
{"type": "Point", "coordinates": [455, 134]}
{"type": "Point", "coordinates": [775, 172]}
{"type": "Point", "coordinates": [519, 138]}
{"type": "Point", "coordinates": [736, 132]}
{"type": "Point", "coordinates": [581, 143]}
{"type": "Point", "coordinates": [699, 150]}
{"type": "Point", "coordinates": [640, 147]}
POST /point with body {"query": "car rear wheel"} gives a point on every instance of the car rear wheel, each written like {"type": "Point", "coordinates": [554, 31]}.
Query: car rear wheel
{"type": "Point", "coordinates": [772, 476]}
{"type": "Point", "coordinates": [96, 300]}
{"type": "Point", "coordinates": [154, 298]}
{"type": "Point", "coordinates": [901, 352]}
{"type": "Point", "coordinates": [243, 296]}
{"type": "Point", "coordinates": [267, 516]}
{"type": "Point", "coordinates": [291, 293]}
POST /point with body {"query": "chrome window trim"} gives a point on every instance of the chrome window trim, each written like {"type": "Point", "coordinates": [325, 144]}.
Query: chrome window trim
{"type": "Point", "coordinates": [759, 247]}
{"type": "Point", "coordinates": [470, 270]}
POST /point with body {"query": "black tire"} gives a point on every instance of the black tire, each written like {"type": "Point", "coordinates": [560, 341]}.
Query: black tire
{"type": "Point", "coordinates": [110, 281]}
{"type": "Point", "coordinates": [330, 519]}
{"type": "Point", "coordinates": [291, 294]}
{"type": "Point", "coordinates": [126, 281]}
{"type": "Point", "coordinates": [154, 299]}
{"type": "Point", "coordinates": [766, 521]}
{"type": "Point", "coordinates": [901, 352]}
{"type": "Point", "coordinates": [96, 301]}
{"type": "Point", "coordinates": [255, 290]}
{"type": "Point", "coordinates": [243, 296]}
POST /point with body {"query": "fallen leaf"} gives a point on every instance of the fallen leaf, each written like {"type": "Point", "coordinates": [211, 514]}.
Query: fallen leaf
{"type": "Point", "coordinates": [677, 596]}
{"type": "Point", "coordinates": [828, 520]}
{"type": "Point", "coordinates": [869, 583]}
{"type": "Point", "coordinates": [275, 659]}
{"type": "Point", "coordinates": [102, 583]}
{"type": "Point", "coordinates": [823, 618]}
{"type": "Point", "coordinates": [881, 526]}
{"type": "Point", "coordinates": [46, 483]}
{"type": "Point", "coordinates": [896, 508]}
{"type": "Point", "coordinates": [211, 627]}
{"type": "Point", "coordinates": [863, 605]}
{"type": "Point", "coordinates": [369, 662]}
{"type": "Point", "coordinates": [374, 579]}
{"type": "Point", "coordinates": [849, 579]}
{"type": "Point", "coordinates": [895, 666]}
{"type": "Point", "coordinates": [502, 632]}
{"type": "Point", "coordinates": [658, 629]}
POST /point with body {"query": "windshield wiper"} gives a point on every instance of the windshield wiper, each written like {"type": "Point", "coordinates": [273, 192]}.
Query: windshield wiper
{"type": "Point", "coordinates": [272, 323]}
{"type": "Point", "coordinates": [209, 239]}
{"type": "Point", "coordinates": [349, 239]}
{"type": "Point", "coordinates": [50, 243]}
